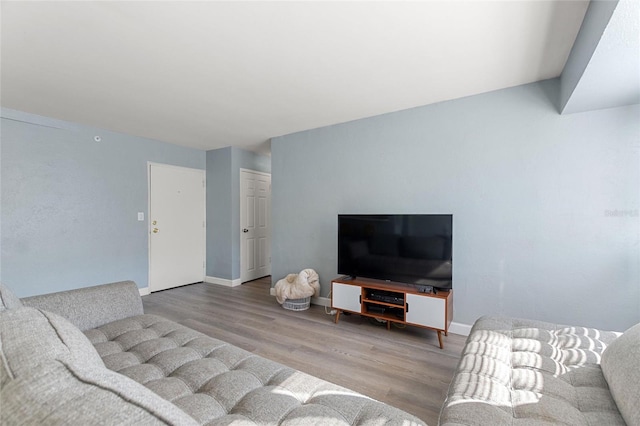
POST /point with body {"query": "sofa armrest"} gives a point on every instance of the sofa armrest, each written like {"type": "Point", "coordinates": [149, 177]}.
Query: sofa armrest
{"type": "Point", "coordinates": [91, 307]}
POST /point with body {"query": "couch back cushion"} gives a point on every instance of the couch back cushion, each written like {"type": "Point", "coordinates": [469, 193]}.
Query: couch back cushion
{"type": "Point", "coordinates": [8, 300]}
{"type": "Point", "coordinates": [30, 336]}
{"type": "Point", "coordinates": [621, 368]}
{"type": "Point", "coordinates": [50, 372]}
{"type": "Point", "coordinates": [91, 307]}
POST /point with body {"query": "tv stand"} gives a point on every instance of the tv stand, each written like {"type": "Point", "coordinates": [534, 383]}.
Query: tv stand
{"type": "Point", "coordinates": [393, 302]}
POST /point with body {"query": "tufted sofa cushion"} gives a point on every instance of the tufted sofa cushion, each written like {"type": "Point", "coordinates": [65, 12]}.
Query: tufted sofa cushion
{"type": "Point", "coordinates": [523, 372]}
{"type": "Point", "coordinates": [219, 384]}
{"type": "Point", "coordinates": [51, 374]}
{"type": "Point", "coordinates": [30, 336]}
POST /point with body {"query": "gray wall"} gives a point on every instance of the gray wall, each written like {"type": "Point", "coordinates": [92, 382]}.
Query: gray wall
{"type": "Point", "coordinates": [545, 206]}
{"type": "Point", "coordinates": [223, 207]}
{"type": "Point", "coordinates": [69, 204]}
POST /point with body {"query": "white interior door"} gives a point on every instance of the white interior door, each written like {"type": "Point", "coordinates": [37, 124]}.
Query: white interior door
{"type": "Point", "coordinates": [255, 225]}
{"type": "Point", "coordinates": [176, 226]}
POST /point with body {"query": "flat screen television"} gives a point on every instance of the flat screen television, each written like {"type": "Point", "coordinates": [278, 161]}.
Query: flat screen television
{"type": "Point", "coordinates": [404, 248]}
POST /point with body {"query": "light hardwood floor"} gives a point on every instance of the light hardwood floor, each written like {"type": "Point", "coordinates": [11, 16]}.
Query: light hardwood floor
{"type": "Point", "coordinates": [402, 367]}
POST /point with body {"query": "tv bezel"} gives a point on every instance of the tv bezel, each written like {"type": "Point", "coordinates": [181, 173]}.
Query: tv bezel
{"type": "Point", "coordinates": [391, 278]}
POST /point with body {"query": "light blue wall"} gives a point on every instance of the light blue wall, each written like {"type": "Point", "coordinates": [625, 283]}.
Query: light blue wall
{"type": "Point", "coordinates": [69, 204]}
{"type": "Point", "coordinates": [545, 206]}
{"type": "Point", "coordinates": [223, 207]}
{"type": "Point", "coordinates": [593, 26]}
{"type": "Point", "coordinates": [242, 159]}
{"type": "Point", "coordinates": [0, 200]}
{"type": "Point", "coordinates": [603, 69]}
{"type": "Point", "coordinates": [219, 201]}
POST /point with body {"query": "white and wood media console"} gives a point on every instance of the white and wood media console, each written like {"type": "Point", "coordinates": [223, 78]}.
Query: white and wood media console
{"type": "Point", "coordinates": [393, 302]}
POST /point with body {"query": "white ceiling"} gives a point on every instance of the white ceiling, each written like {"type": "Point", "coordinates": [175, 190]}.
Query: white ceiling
{"type": "Point", "coordinates": [215, 74]}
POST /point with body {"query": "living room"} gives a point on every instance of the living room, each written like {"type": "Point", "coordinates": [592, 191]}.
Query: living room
{"type": "Point", "coordinates": [551, 199]}
{"type": "Point", "coordinates": [544, 195]}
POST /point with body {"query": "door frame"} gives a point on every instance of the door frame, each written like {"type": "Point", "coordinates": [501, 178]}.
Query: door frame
{"type": "Point", "coordinates": [241, 257]}
{"type": "Point", "coordinates": [149, 227]}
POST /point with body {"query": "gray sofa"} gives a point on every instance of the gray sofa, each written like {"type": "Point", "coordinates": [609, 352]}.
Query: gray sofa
{"type": "Point", "coordinates": [91, 356]}
{"type": "Point", "coordinates": [522, 372]}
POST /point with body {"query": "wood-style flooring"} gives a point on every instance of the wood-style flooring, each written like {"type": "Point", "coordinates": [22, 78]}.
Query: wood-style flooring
{"type": "Point", "coordinates": [401, 367]}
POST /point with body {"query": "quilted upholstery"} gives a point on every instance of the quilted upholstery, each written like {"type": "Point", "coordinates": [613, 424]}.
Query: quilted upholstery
{"type": "Point", "coordinates": [52, 375]}
{"type": "Point", "coordinates": [219, 384]}
{"type": "Point", "coordinates": [30, 336]}
{"type": "Point", "coordinates": [523, 372]}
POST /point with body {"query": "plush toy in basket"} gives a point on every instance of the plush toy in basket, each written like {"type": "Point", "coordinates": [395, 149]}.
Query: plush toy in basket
{"type": "Point", "coordinates": [294, 291]}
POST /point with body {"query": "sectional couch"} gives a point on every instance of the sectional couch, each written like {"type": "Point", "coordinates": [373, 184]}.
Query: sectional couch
{"type": "Point", "coordinates": [91, 356]}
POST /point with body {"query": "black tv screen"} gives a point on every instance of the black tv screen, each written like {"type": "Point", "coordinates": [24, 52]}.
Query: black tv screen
{"type": "Point", "coordinates": [404, 248]}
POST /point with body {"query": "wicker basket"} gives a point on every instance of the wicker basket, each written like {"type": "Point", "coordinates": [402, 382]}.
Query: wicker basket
{"type": "Point", "coordinates": [297, 304]}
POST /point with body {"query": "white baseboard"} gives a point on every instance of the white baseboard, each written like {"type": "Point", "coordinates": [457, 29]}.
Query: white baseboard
{"type": "Point", "coordinates": [461, 329]}
{"type": "Point", "coordinates": [144, 291]}
{"type": "Point", "coordinates": [222, 281]}
{"type": "Point", "coordinates": [322, 301]}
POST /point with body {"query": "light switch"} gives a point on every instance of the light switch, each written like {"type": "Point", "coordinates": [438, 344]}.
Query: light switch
{"type": "Point", "coordinates": [140, 216]}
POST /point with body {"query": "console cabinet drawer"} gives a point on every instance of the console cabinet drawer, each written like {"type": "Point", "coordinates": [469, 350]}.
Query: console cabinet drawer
{"type": "Point", "coordinates": [426, 311]}
{"type": "Point", "coordinates": [346, 297]}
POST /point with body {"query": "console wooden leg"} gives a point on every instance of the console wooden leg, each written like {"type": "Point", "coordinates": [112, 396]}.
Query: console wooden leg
{"type": "Point", "coordinates": [337, 315]}
{"type": "Point", "coordinates": [440, 339]}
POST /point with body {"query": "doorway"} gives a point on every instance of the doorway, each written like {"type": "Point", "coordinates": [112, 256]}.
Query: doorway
{"type": "Point", "coordinates": [255, 225]}
{"type": "Point", "coordinates": [177, 227]}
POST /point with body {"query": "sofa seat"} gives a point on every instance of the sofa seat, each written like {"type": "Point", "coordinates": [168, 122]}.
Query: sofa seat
{"type": "Point", "coordinates": [218, 383]}
{"type": "Point", "coordinates": [524, 372]}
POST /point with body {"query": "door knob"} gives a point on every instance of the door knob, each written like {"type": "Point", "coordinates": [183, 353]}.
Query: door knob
{"type": "Point", "coordinates": [155, 230]}
{"type": "Point", "coordinates": [245, 230]}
